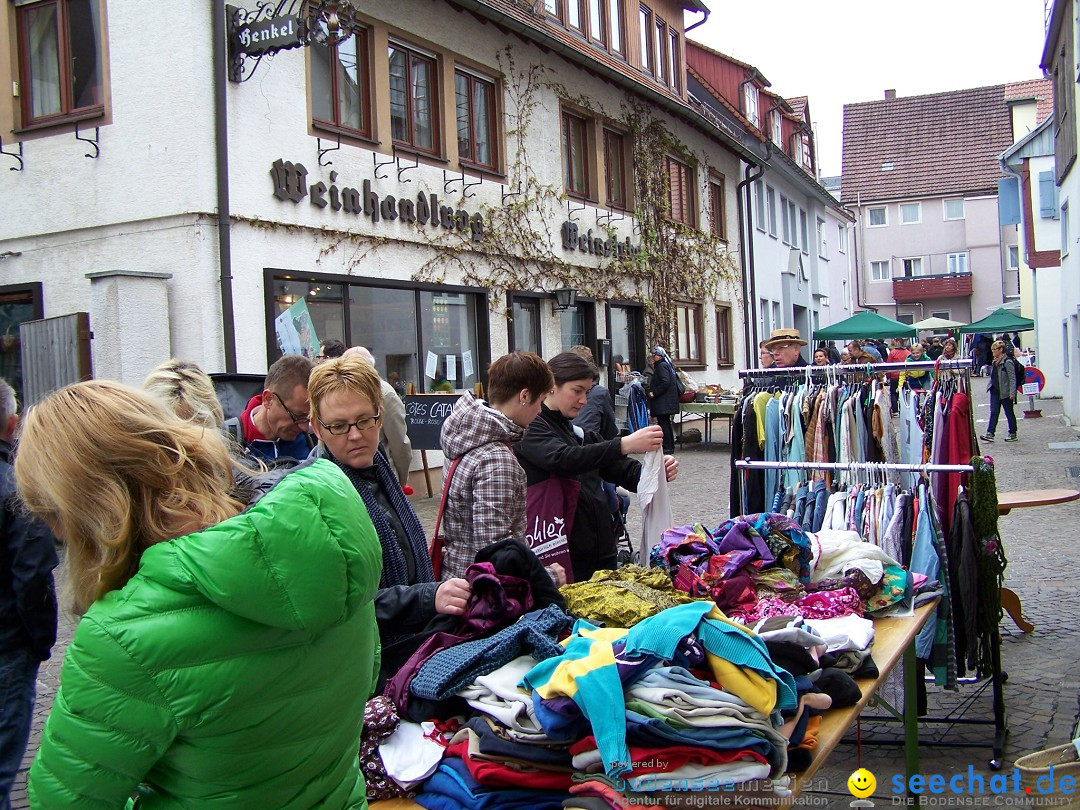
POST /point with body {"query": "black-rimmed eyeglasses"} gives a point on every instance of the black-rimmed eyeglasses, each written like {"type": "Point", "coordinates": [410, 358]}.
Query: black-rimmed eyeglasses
{"type": "Point", "coordinates": [296, 417]}
{"type": "Point", "coordinates": [362, 424]}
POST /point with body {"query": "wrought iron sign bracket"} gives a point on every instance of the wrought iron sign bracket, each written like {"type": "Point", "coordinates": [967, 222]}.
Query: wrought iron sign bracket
{"type": "Point", "coordinates": [609, 217]}
{"type": "Point", "coordinates": [92, 141]}
{"type": "Point", "coordinates": [402, 169]}
{"type": "Point", "coordinates": [464, 186]}
{"type": "Point", "coordinates": [571, 211]}
{"type": "Point", "coordinates": [375, 161]}
{"type": "Point", "coordinates": [16, 155]}
{"type": "Point", "coordinates": [323, 152]}
{"type": "Point", "coordinates": [507, 194]}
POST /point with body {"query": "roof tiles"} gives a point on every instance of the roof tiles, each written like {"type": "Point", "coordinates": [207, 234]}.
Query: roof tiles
{"type": "Point", "coordinates": [943, 143]}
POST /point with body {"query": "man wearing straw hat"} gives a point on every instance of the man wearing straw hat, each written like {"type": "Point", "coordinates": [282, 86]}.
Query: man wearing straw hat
{"type": "Point", "coordinates": [786, 346]}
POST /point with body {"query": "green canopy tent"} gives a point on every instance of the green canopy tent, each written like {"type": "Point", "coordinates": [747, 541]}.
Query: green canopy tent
{"type": "Point", "coordinates": [1000, 320]}
{"type": "Point", "coordinates": [865, 324]}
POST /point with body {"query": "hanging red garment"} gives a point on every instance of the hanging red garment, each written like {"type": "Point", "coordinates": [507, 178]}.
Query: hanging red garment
{"type": "Point", "coordinates": [959, 447]}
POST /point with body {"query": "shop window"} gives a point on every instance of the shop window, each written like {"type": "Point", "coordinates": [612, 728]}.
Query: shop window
{"type": "Point", "coordinates": [317, 313]}
{"type": "Point", "coordinates": [724, 337]}
{"type": "Point", "coordinates": [60, 60]}
{"type": "Point", "coordinates": [680, 189]}
{"type": "Point", "coordinates": [475, 119]}
{"type": "Point", "coordinates": [525, 325]}
{"type": "Point", "coordinates": [575, 142]}
{"type": "Point", "coordinates": [688, 334]}
{"type": "Point", "coordinates": [18, 303]}
{"type": "Point", "coordinates": [384, 320]}
{"type": "Point", "coordinates": [449, 339]}
{"type": "Point", "coordinates": [615, 165]}
{"type": "Point", "coordinates": [413, 101]}
{"type": "Point", "coordinates": [576, 326]}
{"type": "Point", "coordinates": [340, 94]}
{"type": "Point", "coordinates": [716, 202]}
{"type": "Point", "coordinates": [626, 329]}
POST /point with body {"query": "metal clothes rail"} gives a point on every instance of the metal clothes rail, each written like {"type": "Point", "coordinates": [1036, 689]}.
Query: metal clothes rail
{"type": "Point", "coordinates": [855, 467]}
{"type": "Point", "coordinates": [854, 368]}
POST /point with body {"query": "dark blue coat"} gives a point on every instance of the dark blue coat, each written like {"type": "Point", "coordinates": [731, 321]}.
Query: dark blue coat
{"type": "Point", "coordinates": [665, 393]}
{"type": "Point", "coordinates": [27, 560]}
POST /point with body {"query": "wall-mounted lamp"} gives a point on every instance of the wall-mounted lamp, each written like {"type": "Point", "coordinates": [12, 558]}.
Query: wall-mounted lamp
{"type": "Point", "coordinates": [565, 298]}
{"type": "Point", "coordinates": [329, 22]}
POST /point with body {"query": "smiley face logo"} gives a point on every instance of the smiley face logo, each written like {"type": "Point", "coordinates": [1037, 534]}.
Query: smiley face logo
{"type": "Point", "coordinates": [861, 783]}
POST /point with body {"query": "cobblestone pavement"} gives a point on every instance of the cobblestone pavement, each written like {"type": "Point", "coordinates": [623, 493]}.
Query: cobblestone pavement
{"type": "Point", "coordinates": [1043, 686]}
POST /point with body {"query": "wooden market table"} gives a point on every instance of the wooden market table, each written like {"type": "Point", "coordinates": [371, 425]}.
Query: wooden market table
{"type": "Point", "coordinates": [1022, 499]}
{"type": "Point", "coordinates": [894, 642]}
{"type": "Point", "coordinates": [711, 411]}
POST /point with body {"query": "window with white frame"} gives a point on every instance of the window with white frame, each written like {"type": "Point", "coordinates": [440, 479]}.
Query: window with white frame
{"type": "Point", "coordinates": [910, 213]}
{"type": "Point", "coordinates": [804, 232]}
{"type": "Point", "coordinates": [957, 263]}
{"type": "Point", "coordinates": [750, 103]}
{"type": "Point", "coordinates": [770, 197]}
{"type": "Point", "coordinates": [787, 222]}
{"type": "Point", "coordinates": [804, 152]}
{"type": "Point", "coordinates": [954, 208]}
{"type": "Point", "coordinates": [945, 314]}
{"type": "Point", "coordinates": [1014, 257]}
{"type": "Point", "coordinates": [777, 128]}
{"type": "Point", "coordinates": [879, 271]}
{"type": "Point", "coordinates": [1065, 228]}
{"type": "Point", "coordinates": [912, 267]}
{"type": "Point", "coordinates": [877, 216]}
{"type": "Point", "coordinates": [841, 237]}
{"type": "Point", "coordinates": [822, 250]}
{"type": "Point", "coordinates": [759, 200]}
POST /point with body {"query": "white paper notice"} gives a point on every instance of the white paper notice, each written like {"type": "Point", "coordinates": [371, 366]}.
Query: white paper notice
{"type": "Point", "coordinates": [466, 364]}
{"type": "Point", "coordinates": [432, 365]}
{"type": "Point", "coordinates": [451, 367]}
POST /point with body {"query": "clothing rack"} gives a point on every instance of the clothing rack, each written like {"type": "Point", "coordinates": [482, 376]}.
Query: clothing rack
{"type": "Point", "coordinates": [856, 466]}
{"type": "Point", "coordinates": [853, 368]}
{"type": "Point", "coordinates": [997, 677]}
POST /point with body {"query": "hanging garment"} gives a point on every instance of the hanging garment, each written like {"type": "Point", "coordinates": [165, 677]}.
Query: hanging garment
{"type": "Point", "coordinates": [911, 434]}
{"type": "Point", "coordinates": [654, 500]}
{"type": "Point", "coordinates": [773, 440]}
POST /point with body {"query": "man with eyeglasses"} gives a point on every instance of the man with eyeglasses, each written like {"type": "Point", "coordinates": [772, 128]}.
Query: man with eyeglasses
{"type": "Point", "coordinates": [786, 346]}
{"type": "Point", "coordinates": [274, 425]}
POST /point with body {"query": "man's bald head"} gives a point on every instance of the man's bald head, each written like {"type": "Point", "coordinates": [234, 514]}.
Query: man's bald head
{"type": "Point", "coordinates": [361, 352]}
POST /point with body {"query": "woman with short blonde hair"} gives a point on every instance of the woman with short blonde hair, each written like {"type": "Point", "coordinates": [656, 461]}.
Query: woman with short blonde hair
{"type": "Point", "coordinates": [205, 632]}
{"type": "Point", "coordinates": [346, 413]}
{"type": "Point", "coordinates": [188, 392]}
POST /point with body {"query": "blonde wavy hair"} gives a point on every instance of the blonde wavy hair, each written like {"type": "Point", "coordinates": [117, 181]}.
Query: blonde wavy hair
{"type": "Point", "coordinates": [188, 391]}
{"type": "Point", "coordinates": [113, 471]}
{"type": "Point", "coordinates": [346, 373]}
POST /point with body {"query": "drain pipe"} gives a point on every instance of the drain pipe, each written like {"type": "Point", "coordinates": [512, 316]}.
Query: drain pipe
{"type": "Point", "coordinates": [221, 143]}
{"type": "Point", "coordinates": [746, 253]}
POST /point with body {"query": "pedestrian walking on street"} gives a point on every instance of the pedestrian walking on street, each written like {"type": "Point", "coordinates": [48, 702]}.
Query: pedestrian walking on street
{"type": "Point", "coordinates": [664, 395]}
{"type": "Point", "coordinates": [1002, 388]}
{"type": "Point", "coordinates": [27, 606]}
{"type": "Point", "coordinates": [224, 656]}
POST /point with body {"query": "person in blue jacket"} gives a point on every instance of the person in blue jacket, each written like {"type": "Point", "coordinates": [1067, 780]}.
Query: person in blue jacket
{"type": "Point", "coordinates": [664, 395]}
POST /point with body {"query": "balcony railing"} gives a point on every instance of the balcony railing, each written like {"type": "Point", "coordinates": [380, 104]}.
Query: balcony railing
{"type": "Point", "coordinates": [919, 288]}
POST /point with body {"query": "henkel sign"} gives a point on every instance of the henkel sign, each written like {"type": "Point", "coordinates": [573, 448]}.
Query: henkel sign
{"type": "Point", "coordinates": [267, 36]}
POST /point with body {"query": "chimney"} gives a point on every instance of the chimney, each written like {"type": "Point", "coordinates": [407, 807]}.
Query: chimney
{"type": "Point", "coordinates": [890, 94]}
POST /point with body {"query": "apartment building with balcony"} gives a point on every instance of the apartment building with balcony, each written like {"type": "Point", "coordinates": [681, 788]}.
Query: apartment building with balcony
{"type": "Point", "coordinates": [921, 175]}
{"type": "Point", "coordinates": [798, 234]}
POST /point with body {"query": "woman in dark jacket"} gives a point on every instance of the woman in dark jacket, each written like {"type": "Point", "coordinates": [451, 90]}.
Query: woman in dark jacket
{"type": "Point", "coordinates": [345, 414]}
{"type": "Point", "coordinates": [664, 395]}
{"type": "Point", "coordinates": [554, 446]}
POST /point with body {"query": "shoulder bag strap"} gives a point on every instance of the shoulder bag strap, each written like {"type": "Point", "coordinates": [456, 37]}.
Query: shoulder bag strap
{"type": "Point", "coordinates": [436, 548]}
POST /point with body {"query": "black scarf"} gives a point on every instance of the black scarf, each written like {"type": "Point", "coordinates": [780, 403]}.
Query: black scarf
{"type": "Point", "coordinates": [395, 568]}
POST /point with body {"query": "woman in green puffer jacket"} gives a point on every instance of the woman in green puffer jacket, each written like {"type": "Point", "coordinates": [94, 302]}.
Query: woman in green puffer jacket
{"type": "Point", "coordinates": [224, 656]}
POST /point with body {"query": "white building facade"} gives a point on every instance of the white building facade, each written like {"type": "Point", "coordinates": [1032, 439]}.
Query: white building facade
{"type": "Point", "coordinates": [420, 188]}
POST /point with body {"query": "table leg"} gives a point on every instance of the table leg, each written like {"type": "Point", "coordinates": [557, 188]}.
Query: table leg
{"type": "Point", "coordinates": [1011, 604]}
{"type": "Point", "coordinates": [911, 712]}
